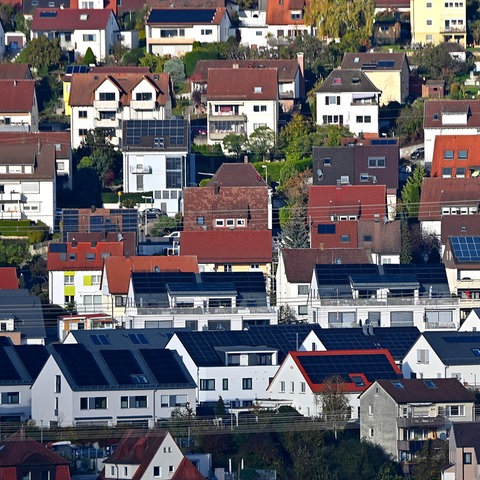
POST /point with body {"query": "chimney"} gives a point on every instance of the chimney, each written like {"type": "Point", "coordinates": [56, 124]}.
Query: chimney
{"type": "Point", "coordinates": [14, 83]}
{"type": "Point", "coordinates": [301, 64]}
{"type": "Point", "coordinates": [245, 159]}
{"type": "Point", "coordinates": [235, 65]}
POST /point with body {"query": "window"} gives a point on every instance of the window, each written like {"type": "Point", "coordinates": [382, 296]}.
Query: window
{"type": "Point", "coordinates": [106, 96]}
{"type": "Point", "coordinates": [376, 162]}
{"type": "Point", "coordinates": [171, 469]}
{"type": "Point", "coordinates": [448, 154]}
{"type": "Point", "coordinates": [90, 256]}
{"type": "Point", "coordinates": [96, 279]}
{"type": "Point", "coordinates": [467, 458]}
{"type": "Point", "coordinates": [10, 398]}
{"type": "Point", "coordinates": [82, 132]}
{"type": "Point", "coordinates": [219, 222]}
{"type": "Point", "coordinates": [368, 238]}
{"type": "Point", "coordinates": [456, 410]}
{"type": "Point", "coordinates": [246, 383]}
{"type": "Point", "coordinates": [422, 356]}
{"type": "Point", "coordinates": [370, 410]}
{"type": "Point", "coordinates": [446, 172]}
{"type": "Point", "coordinates": [429, 4]}
{"type": "Point", "coordinates": [259, 108]}
{"type": "Point", "coordinates": [58, 384]}
{"type": "Point", "coordinates": [230, 222]}
{"type": "Point", "coordinates": [174, 172]}
{"type": "Point", "coordinates": [364, 119]}
{"type": "Point", "coordinates": [227, 267]}
{"type": "Point", "coordinates": [225, 384]}
{"type": "Point", "coordinates": [303, 289]}
{"type": "Point", "coordinates": [206, 31]}
{"type": "Point", "coordinates": [345, 239]}
{"type": "Point", "coordinates": [332, 100]}
{"type": "Point", "coordinates": [303, 310]}
{"type": "Point", "coordinates": [302, 387]}
{"type": "Point", "coordinates": [89, 37]}
{"type": "Point", "coordinates": [326, 229]}
{"type": "Point", "coordinates": [84, 403]}
{"type": "Point", "coordinates": [460, 172]}
{"type": "Point", "coordinates": [140, 401]}
{"type": "Point", "coordinates": [429, 22]}
{"type": "Point", "coordinates": [241, 222]}
{"type": "Point", "coordinates": [462, 154]}
{"type": "Point", "coordinates": [143, 96]}
{"type": "Point", "coordinates": [292, 387]}
{"type": "Point", "coordinates": [69, 279]}
{"type": "Point", "coordinates": [370, 432]}
{"type": "Point", "coordinates": [157, 471]}
{"type": "Point", "coordinates": [93, 403]}
{"type": "Point", "coordinates": [200, 220]}
{"type": "Point", "coordinates": [282, 387]}
{"type": "Point", "coordinates": [107, 115]}
{"type": "Point", "coordinates": [82, 114]}
{"type": "Point", "coordinates": [123, 402]}
{"type": "Point", "coordinates": [257, 89]}
{"type": "Point", "coordinates": [207, 384]}
{"type": "Point", "coordinates": [327, 162]}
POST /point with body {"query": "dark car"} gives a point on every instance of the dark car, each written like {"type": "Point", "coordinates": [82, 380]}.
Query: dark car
{"type": "Point", "coordinates": [418, 154]}
{"type": "Point", "coordinates": [152, 213]}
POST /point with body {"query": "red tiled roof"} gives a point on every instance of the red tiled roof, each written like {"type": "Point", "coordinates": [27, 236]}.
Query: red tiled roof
{"type": "Point", "coordinates": [17, 96]}
{"type": "Point", "coordinates": [278, 12]}
{"type": "Point", "coordinates": [187, 471]}
{"type": "Point", "coordinates": [14, 71]}
{"type": "Point", "coordinates": [129, 239]}
{"type": "Point", "coordinates": [118, 269]}
{"type": "Point", "coordinates": [66, 261]}
{"type": "Point", "coordinates": [246, 84]}
{"type": "Point", "coordinates": [455, 143]}
{"type": "Point", "coordinates": [8, 278]}
{"type": "Point", "coordinates": [61, 140]}
{"type": "Point", "coordinates": [433, 111]}
{"type": "Point", "coordinates": [83, 86]}
{"type": "Point", "coordinates": [70, 19]}
{"type": "Point", "coordinates": [229, 246]}
{"type": "Point", "coordinates": [438, 192]}
{"type": "Point", "coordinates": [237, 175]}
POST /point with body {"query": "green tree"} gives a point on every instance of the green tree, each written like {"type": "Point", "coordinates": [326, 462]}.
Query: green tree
{"type": "Point", "coordinates": [295, 232]}
{"type": "Point", "coordinates": [430, 461]}
{"type": "Point", "coordinates": [234, 143]}
{"type": "Point", "coordinates": [154, 62]}
{"type": "Point", "coordinates": [14, 253]}
{"type": "Point", "coordinates": [286, 314]}
{"type": "Point", "coordinates": [42, 54]}
{"type": "Point", "coordinates": [409, 124]}
{"type": "Point", "coordinates": [261, 142]}
{"type": "Point", "coordinates": [164, 225]}
{"type": "Point", "coordinates": [176, 68]}
{"type": "Point", "coordinates": [89, 57]}
{"type": "Point", "coordinates": [133, 57]}
{"type": "Point", "coordinates": [220, 410]}
{"type": "Point", "coordinates": [38, 232]}
{"type": "Point", "coordinates": [406, 246]}
{"type": "Point", "coordinates": [411, 192]}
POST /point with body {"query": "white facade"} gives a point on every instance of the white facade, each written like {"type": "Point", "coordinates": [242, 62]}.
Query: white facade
{"type": "Point", "coordinates": [15, 402]}
{"type": "Point", "coordinates": [450, 129]}
{"type": "Point", "coordinates": [2, 41]}
{"type": "Point", "coordinates": [56, 403]}
{"type": "Point", "coordinates": [355, 110]}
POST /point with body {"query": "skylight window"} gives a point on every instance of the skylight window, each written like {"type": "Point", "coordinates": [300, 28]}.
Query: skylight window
{"type": "Point", "coordinates": [476, 352]}
{"type": "Point", "coordinates": [257, 89]}
{"type": "Point", "coordinates": [357, 380]}
{"type": "Point", "coordinates": [430, 384]}
{"type": "Point", "coordinates": [84, 16]}
{"type": "Point", "coordinates": [398, 385]}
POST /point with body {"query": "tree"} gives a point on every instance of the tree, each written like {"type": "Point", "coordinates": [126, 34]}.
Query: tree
{"type": "Point", "coordinates": [295, 232]}
{"type": "Point", "coordinates": [13, 253]}
{"type": "Point", "coordinates": [411, 192]}
{"type": "Point", "coordinates": [334, 403]}
{"type": "Point", "coordinates": [42, 54]}
{"type": "Point", "coordinates": [262, 142]}
{"type": "Point", "coordinates": [176, 69]}
{"type": "Point", "coordinates": [89, 57]}
{"type": "Point", "coordinates": [234, 143]}
{"type": "Point", "coordinates": [220, 410]}
{"type": "Point", "coordinates": [164, 225]}
{"type": "Point", "coordinates": [430, 462]}
{"type": "Point", "coordinates": [154, 62]}
{"type": "Point", "coordinates": [409, 124]}
{"type": "Point", "coordinates": [406, 246]}
{"type": "Point", "coordinates": [286, 314]}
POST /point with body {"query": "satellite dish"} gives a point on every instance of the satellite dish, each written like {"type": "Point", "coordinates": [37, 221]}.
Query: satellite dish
{"type": "Point", "coordinates": [374, 179]}
{"type": "Point", "coordinates": [156, 269]}
{"type": "Point", "coordinates": [443, 436]}
{"type": "Point", "coordinates": [385, 220]}
{"type": "Point", "coordinates": [320, 174]}
{"type": "Point", "coordinates": [338, 261]}
{"type": "Point", "coordinates": [119, 237]}
{"type": "Point", "coordinates": [476, 173]}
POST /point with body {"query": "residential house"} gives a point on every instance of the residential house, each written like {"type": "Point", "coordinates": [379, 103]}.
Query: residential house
{"type": "Point", "coordinates": [14, 42]}
{"type": "Point", "coordinates": [471, 323]}
{"type": "Point", "coordinates": [2, 41]}
{"type": "Point", "coordinates": [155, 160]}
{"type": "Point", "coordinates": [117, 271]}
{"type": "Point", "coordinates": [78, 29]}
{"type": "Point", "coordinates": [208, 300]}
{"type": "Point", "coordinates": [304, 378]}
{"type": "Point", "coordinates": [105, 101]}
{"type": "Point", "coordinates": [172, 31]}
{"type": "Point", "coordinates": [389, 29]}
{"type": "Point", "coordinates": [285, 20]}
{"type": "Point", "coordinates": [8, 279]}
{"type": "Point", "coordinates": [433, 89]}
{"type": "Point", "coordinates": [63, 152]}
{"type": "Point", "coordinates": [448, 117]}
{"type": "Point", "coordinates": [242, 102]}
{"type": "Point", "coordinates": [464, 452]}
{"type": "Point", "coordinates": [145, 456]}
{"type": "Point", "coordinates": [20, 366]}
{"type": "Point", "coordinates": [453, 157]}
{"type": "Point", "coordinates": [21, 317]}
{"type": "Point", "coordinates": [434, 23]}
{"type": "Point", "coordinates": [371, 161]}
{"type": "Point", "coordinates": [18, 106]}
{"type": "Point", "coordinates": [402, 415]}
{"type": "Point", "coordinates": [86, 321]}
{"type": "Point", "coordinates": [294, 272]}
{"type": "Point", "coordinates": [96, 384]}
{"type": "Point", "coordinates": [389, 72]}
{"type": "Point", "coordinates": [432, 356]}
{"type": "Point", "coordinates": [21, 457]}
{"type": "Point", "coordinates": [443, 197]}
{"type": "Point", "coordinates": [349, 98]}
{"type": "Point", "coordinates": [75, 272]}
{"type": "Point", "coordinates": [352, 216]}
{"type": "Point", "coordinates": [291, 81]}
{"type": "Point", "coordinates": [29, 6]}
{"type": "Point", "coordinates": [383, 295]}
{"type": "Point", "coordinates": [15, 71]}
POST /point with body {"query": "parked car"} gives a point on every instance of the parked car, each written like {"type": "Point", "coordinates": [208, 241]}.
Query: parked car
{"type": "Point", "coordinates": [418, 154]}
{"type": "Point", "coordinates": [152, 213]}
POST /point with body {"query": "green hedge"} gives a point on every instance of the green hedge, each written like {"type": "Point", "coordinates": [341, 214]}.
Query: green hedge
{"type": "Point", "coordinates": [12, 228]}
{"type": "Point", "coordinates": [126, 198]}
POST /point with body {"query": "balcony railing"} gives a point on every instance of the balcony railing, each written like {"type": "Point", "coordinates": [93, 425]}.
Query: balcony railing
{"type": "Point", "coordinates": [150, 310]}
{"type": "Point", "coordinates": [409, 422]}
{"type": "Point", "coordinates": [391, 301]}
{"type": "Point", "coordinates": [142, 104]}
{"type": "Point", "coordinates": [12, 197]}
{"type": "Point", "coordinates": [106, 104]}
{"type": "Point", "coordinates": [140, 169]}
{"type": "Point", "coordinates": [106, 122]}
{"type": "Point", "coordinates": [457, 29]}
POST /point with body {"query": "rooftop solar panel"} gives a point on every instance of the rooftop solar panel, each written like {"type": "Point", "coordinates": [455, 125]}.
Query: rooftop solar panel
{"type": "Point", "coordinates": [173, 130]}
{"type": "Point", "coordinates": [123, 365]}
{"type": "Point", "coordinates": [33, 358]}
{"type": "Point", "coordinates": [466, 249]}
{"type": "Point", "coordinates": [7, 370]}
{"type": "Point", "coordinates": [181, 16]}
{"type": "Point", "coordinates": [165, 366]}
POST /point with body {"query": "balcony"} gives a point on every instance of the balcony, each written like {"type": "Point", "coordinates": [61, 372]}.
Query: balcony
{"type": "Point", "coordinates": [456, 29]}
{"type": "Point", "coordinates": [152, 310]}
{"type": "Point", "coordinates": [439, 301]}
{"type": "Point", "coordinates": [12, 197]}
{"type": "Point", "coordinates": [227, 116]}
{"type": "Point", "coordinates": [106, 123]}
{"type": "Point", "coordinates": [143, 104]}
{"type": "Point", "coordinates": [410, 422]}
{"type": "Point", "coordinates": [106, 105]}
{"type": "Point", "coordinates": [140, 169]}
{"type": "Point", "coordinates": [415, 445]}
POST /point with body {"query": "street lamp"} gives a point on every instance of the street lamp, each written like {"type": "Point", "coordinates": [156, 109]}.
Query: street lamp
{"type": "Point", "coordinates": [266, 173]}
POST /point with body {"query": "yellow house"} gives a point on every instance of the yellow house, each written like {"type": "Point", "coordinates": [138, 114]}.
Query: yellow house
{"type": "Point", "coordinates": [438, 21]}
{"type": "Point", "coordinates": [389, 72]}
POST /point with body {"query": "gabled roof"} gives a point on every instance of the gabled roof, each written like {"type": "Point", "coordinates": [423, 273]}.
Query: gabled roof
{"type": "Point", "coordinates": [84, 85]}
{"type": "Point", "coordinates": [358, 369]}
{"type": "Point", "coordinates": [236, 175]}
{"type": "Point", "coordinates": [299, 262]}
{"type": "Point", "coordinates": [447, 192]}
{"type": "Point", "coordinates": [386, 236]}
{"type": "Point", "coordinates": [17, 96]}
{"type": "Point", "coordinates": [70, 19]}
{"type": "Point", "coordinates": [366, 201]}
{"type": "Point", "coordinates": [186, 16]}
{"type": "Point", "coordinates": [374, 61]}
{"type": "Point", "coordinates": [119, 269]}
{"type": "Point", "coordinates": [278, 12]}
{"type": "Point", "coordinates": [187, 471]}
{"type": "Point", "coordinates": [61, 140]}
{"type": "Point", "coordinates": [8, 278]}
{"type": "Point", "coordinates": [81, 255]}
{"type": "Point", "coordinates": [457, 225]}
{"type": "Point", "coordinates": [287, 69]}
{"type": "Point", "coordinates": [228, 246]}
{"type": "Point", "coordinates": [16, 451]}
{"type": "Point", "coordinates": [435, 110]}
{"type": "Point", "coordinates": [467, 435]}
{"type": "Point", "coordinates": [457, 153]}
{"type": "Point", "coordinates": [342, 80]}
{"type": "Point", "coordinates": [21, 364]}
{"type": "Point", "coordinates": [438, 390]}
{"type": "Point", "coordinates": [139, 367]}
{"type": "Point", "coordinates": [128, 239]}
{"type": "Point", "coordinates": [245, 84]}
{"type": "Point", "coordinates": [455, 348]}
{"type": "Point", "coordinates": [15, 71]}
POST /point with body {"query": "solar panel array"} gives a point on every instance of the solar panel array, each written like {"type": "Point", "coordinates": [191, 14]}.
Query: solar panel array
{"type": "Point", "coordinates": [173, 130]}
{"type": "Point", "coordinates": [321, 367]}
{"type": "Point", "coordinates": [8, 372]}
{"type": "Point", "coordinates": [466, 249]}
{"type": "Point", "coordinates": [81, 365]}
{"type": "Point", "coordinates": [122, 364]}
{"type": "Point", "coordinates": [338, 274]}
{"type": "Point", "coordinates": [181, 16]}
{"type": "Point", "coordinates": [33, 358]}
{"type": "Point", "coordinates": [76, 69]}
{"type": "Point", "coordinates": [165, 366]}
{"type": "Point", "coordinates": [384, 141]}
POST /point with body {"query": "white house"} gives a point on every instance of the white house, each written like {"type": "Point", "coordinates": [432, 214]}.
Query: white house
{"type": "Point", "coordinates": [173, 31]}
{"type": "Point", "coordinates": [349, 98]}
{"type": "Point", "coordinates": [78, 29]}
{"type": "Point", "coordinates": [104, 386]}
{"type": "Point", "coordinates": [106, 100]}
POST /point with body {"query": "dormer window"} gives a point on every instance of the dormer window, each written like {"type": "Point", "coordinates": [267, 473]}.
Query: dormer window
{"type": "Point", "coordinates": [355, 80]}
{"type": "Point", "coordinates": [257, 89]}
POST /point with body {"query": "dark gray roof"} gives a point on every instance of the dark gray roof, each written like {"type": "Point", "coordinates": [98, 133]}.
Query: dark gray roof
{"type": "Point", "coordinates": [182, 16]}
{"type": "Point", "coordinates": [21, 364]}
{"type": "Point", "coordinates": [26, 310]}
{"type": "Point", "coordinates": [110, 368]}
{"type": "Point", "coordinates": [455, 348]}
{"type": "Point", "coordinates": [374, 60]}
{"type": "Point", "coordinates": [341, 80]}
{"type": "Point", "coordinates": [467, 435]}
